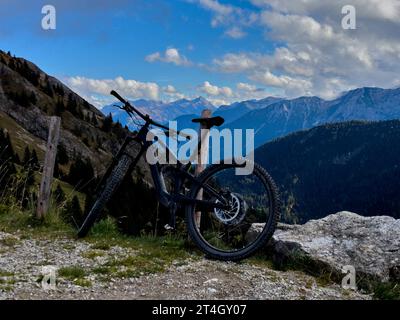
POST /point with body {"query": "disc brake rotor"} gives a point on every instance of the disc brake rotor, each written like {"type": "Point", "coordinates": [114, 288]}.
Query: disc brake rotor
{"type": "Point", "coordinates": [236, 212]}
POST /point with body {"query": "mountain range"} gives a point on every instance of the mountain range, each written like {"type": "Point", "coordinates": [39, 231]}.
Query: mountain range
{"type": "Point", "coordinates": [158, 110]}
{"type": "Point", "coordinates": [287, 116]}
{"type": "Point", "coordinates": [275, 117]}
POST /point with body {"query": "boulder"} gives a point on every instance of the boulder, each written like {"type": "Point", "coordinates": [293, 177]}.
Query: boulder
{"type": "Point", "coordinates": [370, 244]}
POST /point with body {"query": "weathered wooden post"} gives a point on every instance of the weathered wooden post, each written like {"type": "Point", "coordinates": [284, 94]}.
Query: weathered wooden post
{"type": "Point", "coordinates": [48, 167]}
{"type": "Point", "coordinates": [204, 135]}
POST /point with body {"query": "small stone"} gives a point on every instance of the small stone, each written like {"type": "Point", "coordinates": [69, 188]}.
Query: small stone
{"type": "Point", "coordinates": [212, 290]}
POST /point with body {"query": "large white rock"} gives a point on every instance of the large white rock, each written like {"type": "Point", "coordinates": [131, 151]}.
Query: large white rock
{"type": "Point", "coordinates": [370, 244]}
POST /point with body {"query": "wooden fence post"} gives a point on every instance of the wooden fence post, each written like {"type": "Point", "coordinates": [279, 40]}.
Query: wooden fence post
{"type": "Point", "coordinates": [48, 167]}
{"type": "Point", "coordinates": [204, 134]}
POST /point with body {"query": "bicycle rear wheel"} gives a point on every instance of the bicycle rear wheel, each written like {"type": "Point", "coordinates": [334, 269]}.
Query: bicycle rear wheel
{"type": "Point", "coordinates": [114, 180]}
{"type": "Point", "coordinates": [238, 232]}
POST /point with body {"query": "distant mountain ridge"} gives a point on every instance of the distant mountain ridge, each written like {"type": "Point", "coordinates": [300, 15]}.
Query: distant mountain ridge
{"type": "Point", "coordinates": [236, 110]}
{"type": "Point", "coordinates": [274, 117]}
{"type": "Point", "coordinates": [287, 116]}
{"type": "Point", "coordinates": [160, 111]}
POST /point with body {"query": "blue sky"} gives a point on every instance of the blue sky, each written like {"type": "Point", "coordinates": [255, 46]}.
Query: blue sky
{"type": "Point", "coordinates": [223, 50]}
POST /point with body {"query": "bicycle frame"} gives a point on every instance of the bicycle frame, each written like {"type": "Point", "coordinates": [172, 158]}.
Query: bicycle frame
{"type": "Point", "coordinates": [164, 197]}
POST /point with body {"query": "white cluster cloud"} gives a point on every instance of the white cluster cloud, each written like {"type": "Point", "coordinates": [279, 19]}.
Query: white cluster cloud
{"type": "Point", "coordinates": [235, 33]}
{"type": "Point", "coordinates": [171, 55]}
{"type": "Point", "coordinates": [227, 15]}
{"type": "Point", "coordinates": [214, 91]}
{"type": "Point", "coordinates": [226, 95]}
{"type": "Point", "coordinates": [247, 87]}
{"type": "Point", "coordinates": [172, 94]}
{"type": "Point", "coordinates": [317, 56]}
{"type": "Point", "coordinates": [97, 91]}
{"type": "Point", "coordinates": [232, 62]}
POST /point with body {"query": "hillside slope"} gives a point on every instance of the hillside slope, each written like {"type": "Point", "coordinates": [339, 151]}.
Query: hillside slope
{"type": "Point", "coordinates": [28, 96]}
{"type": "Point", "coordinates": [350, 166]}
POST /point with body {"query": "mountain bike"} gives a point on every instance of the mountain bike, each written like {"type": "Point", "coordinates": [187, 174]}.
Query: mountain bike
{"type": "Point", "coordinates": [228, 216]}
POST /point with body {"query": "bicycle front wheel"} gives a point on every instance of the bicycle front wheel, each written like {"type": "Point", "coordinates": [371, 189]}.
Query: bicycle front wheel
{"type": "Point", "coordinates": [252, 210]}
{"type": "Point", "coordinates": [113, 182]}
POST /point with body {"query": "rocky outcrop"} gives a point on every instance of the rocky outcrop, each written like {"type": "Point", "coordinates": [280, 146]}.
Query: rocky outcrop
{"type": "Point", "coordinates": [370, 244]}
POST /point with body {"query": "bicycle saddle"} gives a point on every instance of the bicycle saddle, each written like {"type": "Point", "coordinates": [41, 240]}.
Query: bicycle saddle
{"type": "Point", "coordinates": [210, 122]}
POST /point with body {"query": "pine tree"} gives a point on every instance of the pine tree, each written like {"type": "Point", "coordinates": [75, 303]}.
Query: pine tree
{"type": "Point", "coordinates": [89, 201]}
{"type": "Point", "coordinates": [72, 105]}
{"type": "Point", "coordinates": [27, 157]}
{"type": "Point", "coordinates": [11, 64]}
{"type": "Point", "coordinates": [17, 160]}
{"type": "Point", "coordinates": [6, 148]}
{"type": "Point", "coordinates": [32, 98]}
{"type": "Point", "coordinates": [73, 211]}
{"type": "Point", "coordinates": [49, 90]}
{"type": "Point", "coordinates": [30, 159]}
{"type": "Point", "coordinates": [94, 120]}
{"type": "Point", "coordinates": [6, 156]}
{"type": "Point", "coordinates": [20, 98]}
{"type": "Point", "coordinates": [107, 124]}
{"type": "Point", "coordinates": [62, 155]}
{"type": "Point", "coordinates": [81, 175]}
{"type": "Point", "coordinates": [34, 163]}
{"type": "Point", "coordinates": [30, 178]}
{"type": "Point", "coordinates": [58, 89]}
{"type": "Point", "coordinates": [60, 107]}
{"type": "Point", "coordinates": [59, 195]}
{"type": "Point", "coordinates": [57, 172]}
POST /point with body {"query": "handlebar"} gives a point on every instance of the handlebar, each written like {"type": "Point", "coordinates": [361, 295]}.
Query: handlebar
{"type": "Point", "coordinates": [116, 94]}
{"type": "Point", "coordinates": [130, 109]}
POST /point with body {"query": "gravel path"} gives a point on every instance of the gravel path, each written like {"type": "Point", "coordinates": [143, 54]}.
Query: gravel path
{"type": "Point", "coordinates": [22, 261]}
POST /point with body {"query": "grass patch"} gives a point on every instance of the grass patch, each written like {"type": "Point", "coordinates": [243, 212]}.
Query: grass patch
{"type": "Point", "coordinates": [6, 288]}
{"type": "Point", "coordinates": [387, 291]}
{"type": "Point", "coordinates": [83, 282]}
{"type": "Point", "coordinates": [4, 273]}
{"type": "Point", "coordinates": [154, 254]}
{"type": "Point", "coordinates": [104, 270]}
{"type": "Point", "coordinates": [7, 282]}
{"type": "Point", "coordinates": [13, 219]}
{"type": "Point", "coordinates": [136, 266]}
{"type": "Point", "coordinates": [101, 245]}
{"type": "Point", "coordinates": [92, 254]}
{"type": "Point", "coordinates": [105, 235]}
{"type": "Point", "coordinates": [105, 229]}
{"type": "Point", "coordinates": [72, 273]}
{"type": "Point", "coordinates": [261, 260]}
{"type": "Point", "coordinates": [9, 241]}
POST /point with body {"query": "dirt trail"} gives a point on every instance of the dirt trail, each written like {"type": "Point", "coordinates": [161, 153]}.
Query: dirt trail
{"type": "Point", "coordinates": [22, 261]}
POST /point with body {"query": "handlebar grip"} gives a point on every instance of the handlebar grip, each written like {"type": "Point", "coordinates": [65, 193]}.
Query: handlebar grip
{"type": "Point", "coordinates": [116, 94]}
